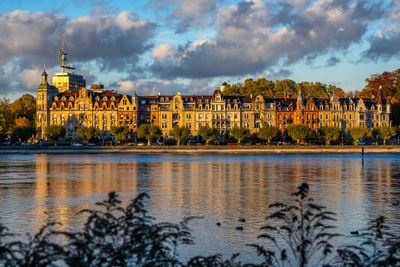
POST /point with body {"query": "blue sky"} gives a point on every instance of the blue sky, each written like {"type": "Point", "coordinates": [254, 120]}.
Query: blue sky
{"type": "Point", "coordinates": [171, 46]}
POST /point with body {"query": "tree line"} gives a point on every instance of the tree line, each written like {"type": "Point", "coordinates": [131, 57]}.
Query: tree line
{"type": "Point", "coordinates": [18, 118]}
{"type": "Point", "coordinates": [296, 133]}
{"type": "Point", "coordinates": [268, 88]}
{"type": "Point", "coordinates": [298, 232]}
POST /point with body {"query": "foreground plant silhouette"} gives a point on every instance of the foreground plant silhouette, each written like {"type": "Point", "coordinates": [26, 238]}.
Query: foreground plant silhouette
{"type": "Point", "coordinates": [299, 232]}
{"type": "Point", "coordinates": [126, 235]}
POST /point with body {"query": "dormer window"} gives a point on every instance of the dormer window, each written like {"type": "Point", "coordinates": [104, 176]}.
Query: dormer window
{"type": "Point", "coordinates": [56, 98]}
{"type": "Point", "coordinates": [112, 98]}
{"type": "Point", "coordinates": [63, 98]}
{"type": "Point", "coordinates": [105, 98]}
{"type": "Point", "coordinates": [71, 98]}
{"type": "Point", "coordinates": [97, 98]}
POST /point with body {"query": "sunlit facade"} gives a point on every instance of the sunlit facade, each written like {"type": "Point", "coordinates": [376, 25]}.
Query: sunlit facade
{"type": "Point", "coordinates": [69, 103]}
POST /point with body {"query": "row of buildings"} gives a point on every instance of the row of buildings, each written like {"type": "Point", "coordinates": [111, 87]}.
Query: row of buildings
{"type": "Point", "coordinates": [69, 103]}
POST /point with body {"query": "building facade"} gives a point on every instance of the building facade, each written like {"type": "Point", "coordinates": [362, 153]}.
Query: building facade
{"type": "Point", "coordinates": [69, 103]}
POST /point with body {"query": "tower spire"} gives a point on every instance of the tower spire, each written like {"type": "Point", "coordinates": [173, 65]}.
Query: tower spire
{"type": "Point", "coordinates": [65, 67]}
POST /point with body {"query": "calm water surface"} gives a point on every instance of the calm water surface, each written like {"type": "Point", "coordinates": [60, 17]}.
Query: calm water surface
{"type": "Point", "coordinates": [221, 188]}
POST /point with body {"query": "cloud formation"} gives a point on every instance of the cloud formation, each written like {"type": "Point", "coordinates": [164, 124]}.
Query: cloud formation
{"type": "Point", "coordinates": [186, 15]}
{"type": "Point", "coordinates": [255, 35]}
{"type": "Point", "coordinates": [31, 40]}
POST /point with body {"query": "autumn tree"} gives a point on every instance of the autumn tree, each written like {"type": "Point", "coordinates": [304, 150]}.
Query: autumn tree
{"type": "Point", "coordinates": [25, 106]}
{"type": "Point", "coordinates": [54, 132]}
{"type": "Point", "coordinates": [240, 133]}
{"type": "Point", "coordinates": [299, 132]}
{"type": "Point", "coordinates": [23, 133]}
{"type": "Point", "coordinates": [88, 134]}
{"type": "Point", "coordinates": [330, 133]}
{"type": "Point", "coordinates": [385, 132]}
{"type": "Point", "coordinates": [358, 132]}
{"type": "Point", "coordinates": [390, 82]}
{"type": "Point", "coordinates": [208, 133]}
{"type": "Point", "coordinates": [179, 133]}
{"type": "Point", "coordinates": [22, 122]}
{"type": "Point", "coordinates": [149, 132]}
{"type": "Point", "coordinates": [268, 133]}
{"type": "Point", "coordinates": [120, 133]}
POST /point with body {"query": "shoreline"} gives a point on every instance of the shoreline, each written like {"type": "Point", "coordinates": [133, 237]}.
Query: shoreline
{"type": "Point", "coordinates": [256, 149]}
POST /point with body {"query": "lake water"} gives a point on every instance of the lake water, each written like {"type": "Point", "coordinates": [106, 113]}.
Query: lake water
{"type": "Point", "coordinates": [220, 188]}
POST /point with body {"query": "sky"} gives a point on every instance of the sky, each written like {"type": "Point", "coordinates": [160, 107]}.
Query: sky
{"type": "Point", "coordinates": [191, 47]}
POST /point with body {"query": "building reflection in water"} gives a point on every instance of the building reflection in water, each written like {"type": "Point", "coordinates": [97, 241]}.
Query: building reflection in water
{"type": "Point", "coordinates": [220, 188]}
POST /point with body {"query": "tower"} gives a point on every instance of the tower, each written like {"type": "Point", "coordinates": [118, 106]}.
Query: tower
{"type": "Point", "coordinates": [67, 79]}
{"type": "Point", "coordinates": [44, 97]}
{"type": "Point", "coordinates": [299, 113]}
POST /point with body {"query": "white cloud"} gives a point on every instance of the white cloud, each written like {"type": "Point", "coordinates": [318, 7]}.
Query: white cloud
{"type": "Point", "coordinates": [255, 35]}
{"type": "Point", "coordinates": [163, 51]}
{"type": "Point", "coordinates": [31, 78]}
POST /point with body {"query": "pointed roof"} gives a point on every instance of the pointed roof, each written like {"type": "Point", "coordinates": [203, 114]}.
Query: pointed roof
{"type": "Point", "coordinates": [300, 97]}
{"type": "Point", "coordinates": [381, 98]}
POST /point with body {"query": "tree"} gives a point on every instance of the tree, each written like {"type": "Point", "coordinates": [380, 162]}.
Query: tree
{"type": "Point", "coordinates": [386, 132]}
{"type": "Point", "coordinates": [179, 133]}
{"type": "Point", "coordinates": [299, 132]}
{"type": "Point", "coordinates": [54, 132]}
{"type": "Point", "coordinates": [6, 118]}
{"type": "Point", "coordinates": [149, 132]}
{"type": "Point", "coordinates": [330, 133]}
{"type": "Point", "coordinates": [240, 133]}
{"type": "Point", "coordinates": [25, 106]}
{"type": "Point", "coordinates": [88, 134]}
{"type": "Point", "coordinates": [22, 122]}
{"type": "Point", "coordinates": [208, 133]}
{"type": "Point", "coordinates": [120, 133]}
{"type": "Point", "coordinates": [23, 133]}
{"type": "Point", "coordinates": [358, 132]}
{"type": "Point", "coordinates": [268, 133]}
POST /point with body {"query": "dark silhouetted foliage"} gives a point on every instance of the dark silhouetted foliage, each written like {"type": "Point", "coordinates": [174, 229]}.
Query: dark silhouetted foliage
{"type": "Point", "coordinates": [299, 234]}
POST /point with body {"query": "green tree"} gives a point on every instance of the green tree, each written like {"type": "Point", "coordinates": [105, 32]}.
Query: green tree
{"type": "Point", "coordinates": [330, 133]}
{"type": "Point", "coordinates": [240, 133]}
{"type": "Point", "coordinates": [120, 133]}
{"type": "Point", "coordinates": [386, 132]}
{"type": "Point", "coordinates": [25, 106]}
{"type": "Point", "coordinates": [299, 132]}
{"type": "Point", "coordinates": [149, 132]}
{"type": "Point", "coordinates": [23, 133]}
{"type": "Point", "coordinates": [179, 133]}
{"type": "Point", "coordinates": [54, 132]}
{"type": "Point", "coordinates": [88, 134]}
{"type": "Point", "coordinates": [358, 132]}
{"type": "Point", "coordinates": [208, 133]}
{"type": "Point", "coordinates": [6, 118]}
{"type": "Point", "coordinates": [268, 133]}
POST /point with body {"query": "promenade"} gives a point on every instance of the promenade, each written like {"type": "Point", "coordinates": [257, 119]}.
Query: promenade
{"type": "Point", "coordinates": [256, 149]}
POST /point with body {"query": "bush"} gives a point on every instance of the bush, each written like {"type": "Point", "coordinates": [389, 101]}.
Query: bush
{"type": "Point", "coordinates": [23, 133]}
{"type": "Point", "coordinates": [300, 234]}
